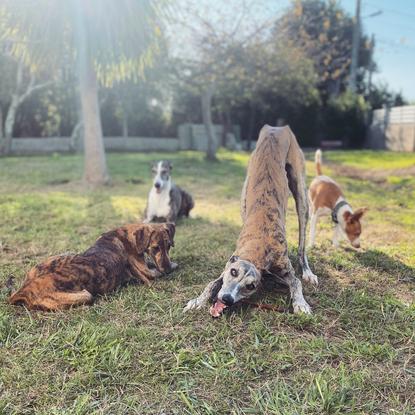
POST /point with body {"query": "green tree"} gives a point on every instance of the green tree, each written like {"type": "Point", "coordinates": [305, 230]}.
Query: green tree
{"type": "Point", "coordinates": [211, 33]}
{"type": "Point", "coordinates": [323, 30]}
{"type": "Point", "coordinates": [107, 41]}
{"type": "Point", "coordinates": [17, 86]}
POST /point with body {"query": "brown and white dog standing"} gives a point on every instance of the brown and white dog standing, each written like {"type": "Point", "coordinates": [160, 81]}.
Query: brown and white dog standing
{"type": "Point", "coordinates": [276, 167]}
{"type": "Point", "coordinates": [116, 258]}
{"type": "Point", "coordinates": [327, 198]}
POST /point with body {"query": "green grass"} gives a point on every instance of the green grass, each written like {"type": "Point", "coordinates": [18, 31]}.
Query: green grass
{"type": "Point", "coordinates": [134, 352]}
{"type": "Point", "coordinates": [368, 159]}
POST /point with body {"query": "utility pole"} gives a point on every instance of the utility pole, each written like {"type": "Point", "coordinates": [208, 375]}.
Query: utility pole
{"type": "Point", "coordinates": [371, 63]}
{"type": "Point", "coordinates": [355, 48]}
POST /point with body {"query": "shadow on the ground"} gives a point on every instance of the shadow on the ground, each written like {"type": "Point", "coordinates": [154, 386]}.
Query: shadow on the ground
{"type": "Point", "coordinates": [382, 262]}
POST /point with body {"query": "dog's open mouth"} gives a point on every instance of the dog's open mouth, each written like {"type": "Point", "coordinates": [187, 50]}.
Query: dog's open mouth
{"type": "Point", "coordinates": [217, 308]}
{"type": "Point", "coordinates": [158, 189]}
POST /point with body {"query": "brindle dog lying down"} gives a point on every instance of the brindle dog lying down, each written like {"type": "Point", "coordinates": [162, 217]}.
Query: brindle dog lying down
{"type": "Point", "coordinates": [116, 258]}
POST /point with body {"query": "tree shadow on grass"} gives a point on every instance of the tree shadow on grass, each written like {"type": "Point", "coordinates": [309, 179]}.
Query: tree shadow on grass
{"type": "Point", "coordinates": [382, 262]}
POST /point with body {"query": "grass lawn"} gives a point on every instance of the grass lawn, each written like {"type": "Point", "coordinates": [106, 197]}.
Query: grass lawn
{"type": "Point", "coordinates": [136, 353]}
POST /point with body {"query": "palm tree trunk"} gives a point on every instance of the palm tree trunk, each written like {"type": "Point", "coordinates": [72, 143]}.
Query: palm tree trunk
{"type": "Point", "coordinates": [95, 164]}
{"type": "Point", "coordinates": [206, 100]}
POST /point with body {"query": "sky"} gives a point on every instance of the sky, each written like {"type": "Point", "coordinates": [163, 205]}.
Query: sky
{"type": "Point", "coordinates": [394, 32]}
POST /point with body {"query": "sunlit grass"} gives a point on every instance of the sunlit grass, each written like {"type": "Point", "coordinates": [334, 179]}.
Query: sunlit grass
{"type": "Point", "coordinates": [369, 159]}
{"type": "Point", "coordinates": [135, 352]}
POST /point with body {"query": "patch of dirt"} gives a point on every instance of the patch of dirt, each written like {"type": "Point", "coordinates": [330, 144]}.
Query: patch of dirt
{"type": "Point", "coordinates": [376, 176]}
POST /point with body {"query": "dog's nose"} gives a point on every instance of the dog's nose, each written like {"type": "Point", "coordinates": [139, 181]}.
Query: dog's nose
{"type": "Point", "coordinates": [157, 185]}
{"type": "Point", "coordinates": [228, 299]}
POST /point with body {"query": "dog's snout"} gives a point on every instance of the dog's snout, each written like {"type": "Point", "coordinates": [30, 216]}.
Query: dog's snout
{"type": "Point", "coordinates": [157, 185]}
{"type": "Point", "coordinates": [228, 299]}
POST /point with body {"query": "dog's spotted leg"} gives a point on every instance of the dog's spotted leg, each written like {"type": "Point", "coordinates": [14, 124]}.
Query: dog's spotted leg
{"type": "Point", "coordinates": [295, 168]}
{"type": "Point", "coordinates": [300, 305]}
{"type": "Point", "coordinates": [208, 293]}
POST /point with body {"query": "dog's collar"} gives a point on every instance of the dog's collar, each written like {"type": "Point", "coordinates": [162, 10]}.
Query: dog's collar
{"type": "Point", "coordinates": [336, 210]}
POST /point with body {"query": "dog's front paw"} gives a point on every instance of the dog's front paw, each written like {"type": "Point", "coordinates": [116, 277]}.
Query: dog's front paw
{"type": "Point", "coordinates": [174, 266]}
{"type": "Point", "coordinates": [155, 273]}
{"type": "Point", "coordinates": [193, 305]}
{"type": "Point", "coordinates": [301, 307]}
{"type": "Point", "coordinates": [309, 277]}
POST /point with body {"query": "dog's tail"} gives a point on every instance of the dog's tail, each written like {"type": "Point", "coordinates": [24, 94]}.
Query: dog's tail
{"type": "Point", "coordinates": [317, 158]}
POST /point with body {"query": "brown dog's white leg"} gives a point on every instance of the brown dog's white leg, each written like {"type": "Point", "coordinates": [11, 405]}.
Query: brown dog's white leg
{"type": "Point", "coordinates": [313, 227]}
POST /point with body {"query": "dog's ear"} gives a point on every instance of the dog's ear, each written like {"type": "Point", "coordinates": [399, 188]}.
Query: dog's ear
{"type": "Point", "coordinates": [142, 238]}
{"type": "Point", "coordinates": [171, 230]}
{"type": "Point", "coordinates": [359, 213]}
{"type": "Point", "coordinates": [233, 259]}
{"type": "Point", "coordinates": [348, 217]}
{"type": "Point", "coordinates": [170, 165]}
{"type": "Point", "coordinates": [153, 166]}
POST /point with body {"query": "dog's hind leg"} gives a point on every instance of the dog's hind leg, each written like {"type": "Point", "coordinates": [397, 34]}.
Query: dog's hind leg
{"type": "Point", "coordinates": [295, 167]}
{"type": "Point", "coordinates": [61, 300]}
{"type": "Point", "coordinates": [51, 300]}
{"type": "Point", "coordinates": [313, 227]}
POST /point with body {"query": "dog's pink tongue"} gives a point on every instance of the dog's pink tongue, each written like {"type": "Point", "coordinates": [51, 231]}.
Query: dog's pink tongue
{"type": "Point", "coordinates": [217, 309]}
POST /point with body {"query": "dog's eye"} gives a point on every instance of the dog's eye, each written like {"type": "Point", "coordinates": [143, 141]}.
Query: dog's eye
{"type": "Point", "coordinates": [250, 287]}
{"type": "Point", "coordinates": [234, 272]}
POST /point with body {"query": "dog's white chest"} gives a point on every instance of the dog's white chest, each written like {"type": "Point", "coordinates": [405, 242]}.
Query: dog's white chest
{"type": "Point", "coordinates": [159, 203]}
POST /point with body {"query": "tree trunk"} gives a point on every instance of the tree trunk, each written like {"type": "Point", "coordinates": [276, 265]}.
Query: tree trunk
{"type": "Point", "coordinates": [18, 97]}
{"type": "Point", "coordinates": [76, 143]}
{"type": "Point", "coordinates": [1, 130]}
{"type": "Point", "coordinates": [124, 124]}
{"type": "Point", "coordinates": [206, 99]}
{"type": "Point", "coordinates": [6, 145]}
{"type": "Point", "coordinates": [9, 125]}
{"type": "Point", "coordinates": [251, 124]}
{"type": "Point", "coordinates": [95, 163]}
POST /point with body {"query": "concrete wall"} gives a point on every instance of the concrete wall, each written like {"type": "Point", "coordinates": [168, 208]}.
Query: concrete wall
{"type": "Point", "coordinates": [194, 137]}
{"type": "Point", "coordinates": [393, 129]}
{"type": "Point", "coordinates": [190, 137]}
{"type": "Point", "coordinates": [33, 146]}
{"type": "Point", "coordinates": [141, 144]}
